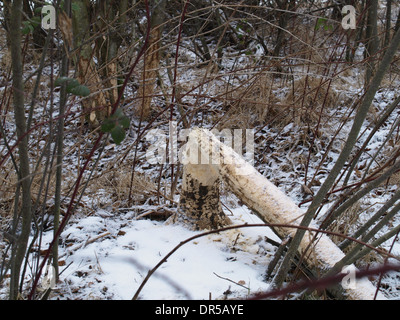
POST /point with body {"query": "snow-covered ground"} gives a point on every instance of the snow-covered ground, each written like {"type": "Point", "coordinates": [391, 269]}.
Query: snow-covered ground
{"type": "Point", "coordinates": [230, 264]}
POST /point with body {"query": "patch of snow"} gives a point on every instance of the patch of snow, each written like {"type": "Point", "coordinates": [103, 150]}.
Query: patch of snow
{"type": "Point", "coordinates": [114, 266]}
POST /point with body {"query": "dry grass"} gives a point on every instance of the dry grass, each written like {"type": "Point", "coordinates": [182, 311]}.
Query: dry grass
{"type": "Point", "coordinates": [250, 104]}
{"type": "Point", "coordinates": [304, 103]}
{"type": "Point", "coordinates": [345, 222]}
{"type": "Point", "coordinates": [108, 188]}
{"type": "Point", "coordinates": [112, 186]}
{"type": "Point", "coordinates": [307, 99]}
{"type": "Point", "coordinates": [8, 180]}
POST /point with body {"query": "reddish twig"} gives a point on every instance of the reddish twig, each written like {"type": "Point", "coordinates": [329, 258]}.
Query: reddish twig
{"type": "Point", "coordinates": [382, 273]}
{"type": "Point", "coordinates": [324, 282]}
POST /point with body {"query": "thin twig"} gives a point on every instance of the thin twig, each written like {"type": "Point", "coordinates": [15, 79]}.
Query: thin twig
{"type": "Point", "coordinates": [324, 282]}
{"type": "Point", "coordinates": [227, 279]}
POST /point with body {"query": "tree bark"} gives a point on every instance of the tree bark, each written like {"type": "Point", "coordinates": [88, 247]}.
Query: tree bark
{"type": "Point", "coordinates": [151, 60]}
{"type": "Point", "coordinates": [284, 15]}
{"type": "Point", "coordinates": [113, 24]}
{"type": "Point", "coordinates": [200, 197]}
{"type": "Point", "coordinates": [388, 22]}
{"type": "Point", "coordinates": [397, 25]}
{"type": "Point", "coordinates": [60, 147]}
{"type": "Point", "coordinates": [7, 17]}
{"type": "Point", "coordinates": [20, 244]}
{"type": "Point", "coordinates": [96, 106]}
{"type": "Point", "coordinates": [372, 40]}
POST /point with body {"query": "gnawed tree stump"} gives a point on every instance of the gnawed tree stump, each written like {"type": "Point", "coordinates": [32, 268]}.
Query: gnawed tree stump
{"type": "Point", "coordinates": [269, 203]}
{"type": "Point", "coordinates": [200, 197]}
{"type": "Point", "coordinates": [200, 204]}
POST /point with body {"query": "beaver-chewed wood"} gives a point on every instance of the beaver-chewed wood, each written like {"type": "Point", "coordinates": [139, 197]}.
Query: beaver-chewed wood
{"type": "Point", "coordinates": [200, 202]}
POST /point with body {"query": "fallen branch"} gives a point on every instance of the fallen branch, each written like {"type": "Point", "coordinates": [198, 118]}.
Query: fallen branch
{"type": "Point", "coordinates": [84, 244]}
{"type": "Point", "coordinates": [230, 280]}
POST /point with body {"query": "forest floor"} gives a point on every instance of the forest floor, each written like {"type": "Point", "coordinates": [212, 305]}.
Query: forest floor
{"type": "Point", "coordinates": [108, 247]}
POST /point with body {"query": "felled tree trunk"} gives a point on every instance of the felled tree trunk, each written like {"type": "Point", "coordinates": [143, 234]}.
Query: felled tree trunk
{"type": "Point", "coordinates": [259, 194]}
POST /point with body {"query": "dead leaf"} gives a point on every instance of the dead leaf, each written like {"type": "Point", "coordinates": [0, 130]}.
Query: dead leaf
{"type": "Point", "coordinates": [306, 190]}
